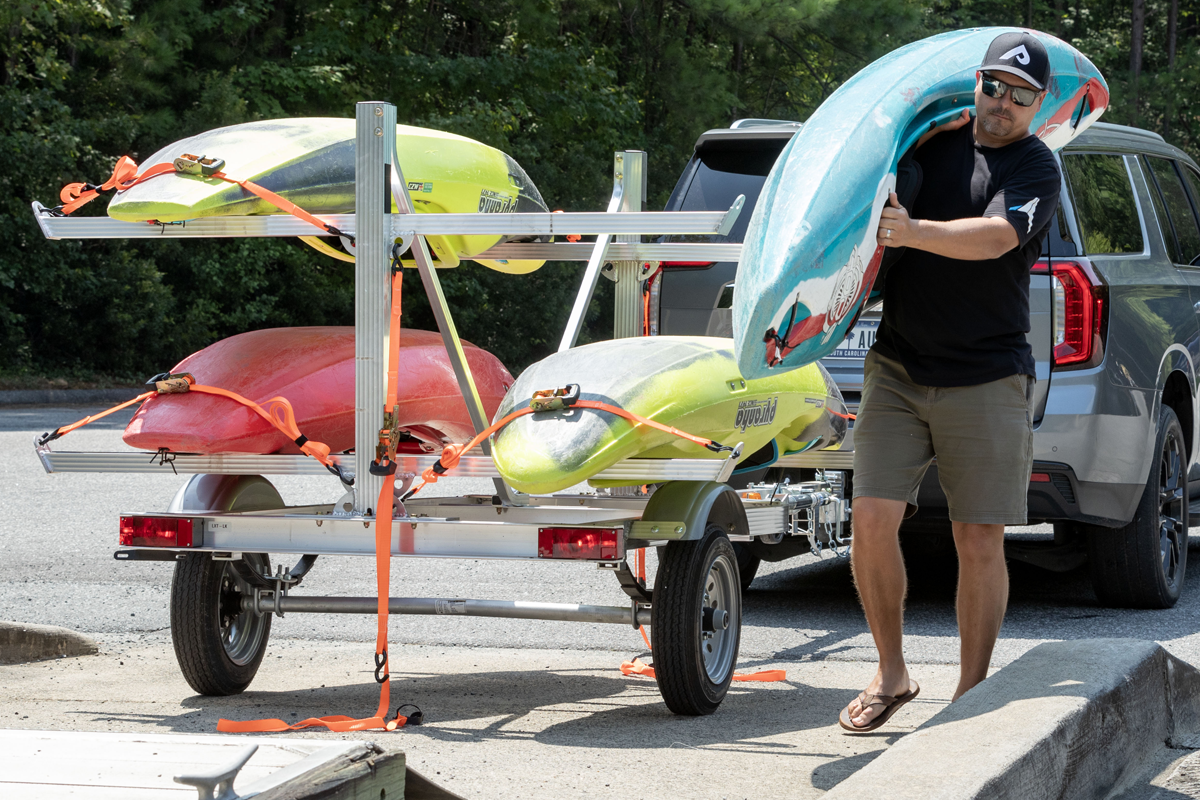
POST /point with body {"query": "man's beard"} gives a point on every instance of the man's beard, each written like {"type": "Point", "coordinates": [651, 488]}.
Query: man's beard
{"type": "Point", "coordinates": [996, 125]}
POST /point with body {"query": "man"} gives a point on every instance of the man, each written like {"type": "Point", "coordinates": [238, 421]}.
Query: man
{"type": "Point", "coordinates": [951, 375]}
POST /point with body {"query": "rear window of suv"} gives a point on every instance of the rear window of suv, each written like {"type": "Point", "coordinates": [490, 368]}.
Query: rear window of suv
{"type": "Point", "coordinates": [722, 172]}
{"type": "Point", "coordinates": [1104, 203]}
{"type": "Point", "coordinates": [1180, 232]}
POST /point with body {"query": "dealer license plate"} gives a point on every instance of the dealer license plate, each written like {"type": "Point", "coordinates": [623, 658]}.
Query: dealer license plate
{"type": "Point", "coordinates": [858, 340]}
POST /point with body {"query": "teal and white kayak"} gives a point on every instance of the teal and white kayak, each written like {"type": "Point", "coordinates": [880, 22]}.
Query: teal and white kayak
{"type": "Point", "coordinates": [810, 255]}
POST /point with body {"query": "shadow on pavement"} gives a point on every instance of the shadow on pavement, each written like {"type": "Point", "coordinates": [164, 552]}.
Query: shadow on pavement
{"type": "Point", "coordinates": [1042, 605]}
{"type": "Point", "coordinates": [562, 708]}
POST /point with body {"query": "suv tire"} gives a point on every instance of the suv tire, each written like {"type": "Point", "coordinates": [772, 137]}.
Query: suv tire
{"type": "Point", "coordinates": [1141, 565]}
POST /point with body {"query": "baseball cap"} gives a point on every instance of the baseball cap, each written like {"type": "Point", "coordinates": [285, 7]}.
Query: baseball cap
{"type": "Point", "coordinates": [1019, 53]}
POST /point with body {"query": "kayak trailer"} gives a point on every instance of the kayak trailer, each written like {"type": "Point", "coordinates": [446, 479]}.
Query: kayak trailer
{"type": "Point", "coordinates": [228, 521]}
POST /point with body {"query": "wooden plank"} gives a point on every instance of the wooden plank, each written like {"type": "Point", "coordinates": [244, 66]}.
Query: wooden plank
{"type": "Point", "coordinates": [374, 774]}
{"type": "Point", "coordinates": [18, 791]}
{"type": "Point", "coordinates": [114, 765]}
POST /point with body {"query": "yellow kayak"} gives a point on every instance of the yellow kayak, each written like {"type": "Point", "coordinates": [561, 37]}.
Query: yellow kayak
{"type": "Point", "coordinates": [311, 163]}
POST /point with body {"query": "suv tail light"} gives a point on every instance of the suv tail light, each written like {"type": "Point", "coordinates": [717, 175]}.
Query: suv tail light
{"type": "Point", "coordinates": [157, 532]}
{"type": "Point", "coordinates": [1078, 313]}
{"type": "Point", "coordinates": [594, 544]}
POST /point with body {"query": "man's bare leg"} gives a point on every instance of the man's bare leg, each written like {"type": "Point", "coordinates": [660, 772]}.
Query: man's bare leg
{"type": "Point", "coordinates": [878, 568]}
{"type": "Point", "coordinates": [982, 597]}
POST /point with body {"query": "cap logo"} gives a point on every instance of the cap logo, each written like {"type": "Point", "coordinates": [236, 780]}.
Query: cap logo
{"type": "Point", "coordinates": [1019, 52]}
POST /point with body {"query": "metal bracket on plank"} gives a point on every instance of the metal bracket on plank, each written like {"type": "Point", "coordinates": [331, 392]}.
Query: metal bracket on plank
{"type": "Point", "coordinates": [217, 783]}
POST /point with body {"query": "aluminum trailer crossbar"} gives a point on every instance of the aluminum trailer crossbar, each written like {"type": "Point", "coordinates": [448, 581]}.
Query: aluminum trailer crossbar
{"type": "Point", "coordinates": [645, 470]}
{"type": "Point", "coordinates": [616, 251]}
{"type": "Point", "coordinates": [713, 223]}
{"type": "Point", "coordinates": [264, 602]}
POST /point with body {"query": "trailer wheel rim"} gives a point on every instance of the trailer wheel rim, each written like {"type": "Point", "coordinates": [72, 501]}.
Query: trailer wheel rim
{"type": "Point", "coordinates": [718, 647]}
{"type": "Point", "coordinates": [242, 631]}
{"type": "Point", "coordinates": [1171, 536]}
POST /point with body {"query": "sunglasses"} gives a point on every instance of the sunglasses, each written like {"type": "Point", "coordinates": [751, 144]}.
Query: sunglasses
{"type": "Point", "coordinates": [995, 88]}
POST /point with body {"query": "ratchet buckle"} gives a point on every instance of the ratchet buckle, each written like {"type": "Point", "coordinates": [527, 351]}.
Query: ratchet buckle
{"type": "Point", "coordinates": [555, 399]}
{"type": "Point", "coordinates": [203, 166]}
{"type": "Point", "coordinates": [167, 383]}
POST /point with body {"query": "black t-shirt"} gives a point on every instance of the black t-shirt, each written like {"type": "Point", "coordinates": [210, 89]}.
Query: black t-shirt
{"type": "Point", "coordinates": [962, 323]}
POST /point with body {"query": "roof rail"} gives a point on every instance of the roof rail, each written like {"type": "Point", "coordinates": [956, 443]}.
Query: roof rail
{"type": "Point", "coordinates": [1126, 129]}
{"type": "Point", "coordinates": [753, 122]}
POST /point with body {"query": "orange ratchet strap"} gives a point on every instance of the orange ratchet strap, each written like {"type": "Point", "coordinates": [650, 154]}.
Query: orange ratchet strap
{"type": "Point", "coordinates": [63, 430]}
{"type": "Point", "coordinates": [551, 400]}
{"type": "Point", "coordinates": [77, 195]}
{"type": "Point", "coordinates": [279, 413]}
{"type": "Point", "coordinates": [385, 466]}
{"type": "Point", "coordinates": [125, 176]}
{"type": "Point", "coordinates": [637, 667]}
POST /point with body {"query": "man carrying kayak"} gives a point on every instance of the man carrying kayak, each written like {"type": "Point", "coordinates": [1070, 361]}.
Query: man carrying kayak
{"type": "Point", "coordinates": [951, 374]}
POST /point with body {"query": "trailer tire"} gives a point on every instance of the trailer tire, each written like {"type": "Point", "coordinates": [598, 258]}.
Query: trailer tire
{"type": "Point", "coordinates": [217, 644]}
{"type": "Point", "coordinates": [697, 581]}
{"type": "Point", "coordinates": [748, 564]}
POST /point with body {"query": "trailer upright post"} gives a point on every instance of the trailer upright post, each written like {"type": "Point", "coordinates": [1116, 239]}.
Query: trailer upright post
{"type": "Point", "coordinates": [373, 147]}
{"type": "Point", "coordinates": [627, 306]}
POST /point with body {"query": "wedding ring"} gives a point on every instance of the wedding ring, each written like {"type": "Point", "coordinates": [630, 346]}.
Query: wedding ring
{"type": "Point", "coordinates": [889, 233]}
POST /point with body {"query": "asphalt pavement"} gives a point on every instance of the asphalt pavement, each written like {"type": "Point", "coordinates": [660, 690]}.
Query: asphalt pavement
{"type": "Point", "coordinates": [58, 533]}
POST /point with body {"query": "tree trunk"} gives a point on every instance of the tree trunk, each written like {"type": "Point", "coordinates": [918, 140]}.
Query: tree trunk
{"type": "Point", "coordinates": [1058, 18]}
{"type": "Point", "coordinates": [1029, 14]}
{"type": "Point", "coordinates": [1172, 27]}
{"type": "Point", "coordinates": [1136, 43]}
{"type": "Point", "coordinates": [8, 64]}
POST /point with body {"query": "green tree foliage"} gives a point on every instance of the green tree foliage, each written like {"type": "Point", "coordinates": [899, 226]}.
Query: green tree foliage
{"type": "Point", "coordinates": [558, 84]}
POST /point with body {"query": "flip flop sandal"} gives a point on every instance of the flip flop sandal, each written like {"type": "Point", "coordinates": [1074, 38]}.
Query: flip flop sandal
{"type": "Point", "coordinates": [890, 706]}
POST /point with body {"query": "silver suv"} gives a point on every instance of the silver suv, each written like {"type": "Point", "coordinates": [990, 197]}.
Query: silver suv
{"type": "Point", "coordinates": [1114, 306]}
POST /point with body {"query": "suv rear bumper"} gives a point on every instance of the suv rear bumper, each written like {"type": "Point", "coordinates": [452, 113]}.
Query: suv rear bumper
{"type": "Point", "coordinates": [1060, 495]}
{"type": "Point", "coordinates": [1057, 496]}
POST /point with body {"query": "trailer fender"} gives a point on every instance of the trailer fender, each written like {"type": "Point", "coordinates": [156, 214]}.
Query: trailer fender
{"type": "Point", "coordinates": [226, 493]}
{"type": "Point", "coordinates": [696, 503]}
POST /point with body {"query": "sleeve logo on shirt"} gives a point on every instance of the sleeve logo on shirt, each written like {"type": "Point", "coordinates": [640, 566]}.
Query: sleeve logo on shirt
{"type": "Point", "coordinates": [1029, 208]}
{"type": "Point", "coordinates": [1019, 53]}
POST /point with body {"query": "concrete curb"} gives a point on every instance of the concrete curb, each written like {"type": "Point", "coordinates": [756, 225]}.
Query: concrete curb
{"type": "Point", "coordinates": [1066, 720]}
{"type": "Point", "coordinates": [20, 643]}
{"type": "Point", "coordinates": [66, 397]}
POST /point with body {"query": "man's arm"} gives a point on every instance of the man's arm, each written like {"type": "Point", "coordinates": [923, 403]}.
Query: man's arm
{"type": "Point", "coordinates": [971, 239]}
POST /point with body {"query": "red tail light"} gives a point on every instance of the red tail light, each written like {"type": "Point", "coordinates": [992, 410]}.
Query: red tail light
{"type": "Point", "coordinates": [594, 544]}
{"type": "Point", "coordinates": [1078, 313]}
{"type": "Point", "coordinates": [157, 532]}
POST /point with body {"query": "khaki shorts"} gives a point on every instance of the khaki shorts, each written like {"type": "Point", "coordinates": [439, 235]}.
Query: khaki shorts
{"type": "Point", "coordinates": [982, 437]}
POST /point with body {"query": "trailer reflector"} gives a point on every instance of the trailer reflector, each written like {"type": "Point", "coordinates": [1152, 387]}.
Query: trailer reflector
{"type": "Point", "coordinates": [157, 532]}
{"type": "Point", "coordinates": [596, 544]}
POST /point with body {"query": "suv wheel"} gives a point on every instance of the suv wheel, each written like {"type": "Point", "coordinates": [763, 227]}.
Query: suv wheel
{"type": "Point", "coordinates": [1141, 565]}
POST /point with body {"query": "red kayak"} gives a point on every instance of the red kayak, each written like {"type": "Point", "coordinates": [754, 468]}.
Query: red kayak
{"type": "Point", "coordinates": [314, 369]}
